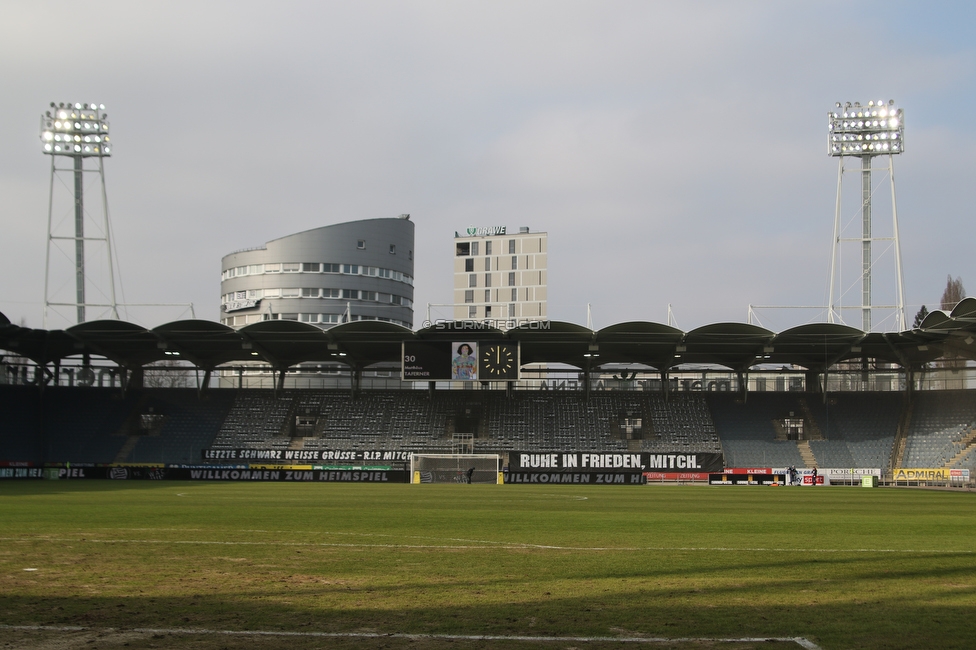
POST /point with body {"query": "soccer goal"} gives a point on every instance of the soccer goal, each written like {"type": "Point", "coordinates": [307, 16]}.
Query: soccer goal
{"type": "Point", "coordinates": [455, 468]}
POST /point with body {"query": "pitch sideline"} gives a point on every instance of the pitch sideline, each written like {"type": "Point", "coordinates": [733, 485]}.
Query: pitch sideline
{"type": "Point", "coordinates": [804, 643]}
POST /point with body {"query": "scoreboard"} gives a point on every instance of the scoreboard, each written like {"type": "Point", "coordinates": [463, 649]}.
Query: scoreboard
{"type": "Point", "coordinates": [460, 361]}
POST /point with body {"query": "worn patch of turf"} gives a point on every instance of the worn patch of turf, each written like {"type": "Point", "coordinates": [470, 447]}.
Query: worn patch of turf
{"type": "Point", "coordinates": [844, 567]}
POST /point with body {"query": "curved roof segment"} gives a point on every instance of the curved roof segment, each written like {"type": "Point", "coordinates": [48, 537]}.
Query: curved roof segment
{"type": "Point", "coordinates": [359, 344]}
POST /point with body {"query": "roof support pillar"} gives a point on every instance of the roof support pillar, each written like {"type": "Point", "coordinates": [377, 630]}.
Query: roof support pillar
{"type": "Point", "coordinates": [356, 380]}
{"type": "Point", "coordinates": [812, 381]}
{"type": "Point", "coordinates": [203, 387]}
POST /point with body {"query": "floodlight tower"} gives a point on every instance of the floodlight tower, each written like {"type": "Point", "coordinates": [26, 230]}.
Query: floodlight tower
{"type": "Point", "coordinates": [80, 132]}
{"type": "Point", "coordinates": [865, 132]}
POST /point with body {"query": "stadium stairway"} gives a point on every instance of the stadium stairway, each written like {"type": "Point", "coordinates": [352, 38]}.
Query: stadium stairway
{"type": "Point", "coordinates": [968, 443]}
{"type": "Point", "coordinates": [803, 446]}
{"type": "Point", "coordinates": [130, 444]}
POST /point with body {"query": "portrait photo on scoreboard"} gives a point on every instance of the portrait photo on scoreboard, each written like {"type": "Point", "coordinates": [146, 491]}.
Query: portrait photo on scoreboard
{"type": "Point", "coordinates": [464, 361]}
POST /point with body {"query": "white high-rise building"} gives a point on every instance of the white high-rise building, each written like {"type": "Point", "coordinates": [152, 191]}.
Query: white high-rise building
{"type": "Point", "coordinates": [500, 276]}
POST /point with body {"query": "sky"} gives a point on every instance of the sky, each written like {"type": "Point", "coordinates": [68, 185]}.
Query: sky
{"type": "Point", "coordinates": [675, 153]}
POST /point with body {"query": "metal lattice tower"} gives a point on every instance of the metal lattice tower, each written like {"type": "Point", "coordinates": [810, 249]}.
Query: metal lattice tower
{"type": "Point", "coordinates": [79, 132]}
{"type": "Point", "coordinates": [865, 132]}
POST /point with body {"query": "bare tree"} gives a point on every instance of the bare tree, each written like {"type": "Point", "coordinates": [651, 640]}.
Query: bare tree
{"type": "Point", "coordinates": [168, 373]}
{"type": "Point", "coordinates": [954, 292]}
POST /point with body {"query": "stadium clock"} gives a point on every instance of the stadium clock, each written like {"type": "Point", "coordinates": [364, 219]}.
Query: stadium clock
{"type": "Point", "coordinates": [499, 361]}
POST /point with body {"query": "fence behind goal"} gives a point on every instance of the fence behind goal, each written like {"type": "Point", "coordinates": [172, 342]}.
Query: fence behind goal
{"type": "Point", "coordinates": [455, 468]}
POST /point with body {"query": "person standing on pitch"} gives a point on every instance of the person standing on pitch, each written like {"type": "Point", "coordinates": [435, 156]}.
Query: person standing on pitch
{"type": "Point", "coordinates": [814, 476]}
{"type": "Point", "coordinates": [470, 474]}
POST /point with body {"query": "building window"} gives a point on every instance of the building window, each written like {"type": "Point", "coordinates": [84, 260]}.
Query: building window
{"type": "Point", "coordinates": [350, 294]}
{"type": "Point", "coordinates": [469, 265]}
{"type": "Point", "coordinates": [511, 246]}
{"type": "Point", "coordinates": [392, 249]}
{"type": "Point", "coordinates": [292, 267]}
{"type": "Point", "coordinates": [368, 295]}
{"type": "Point", "coordinates": [352, 269]}
{"type": "Point", "coordinates": [487, 248]}
{"type": "Point", "coordinates": [488, 311]}
{"type": "Point", "coordinates": [291, 293]}
{"type": "Point", "coordinates": [487, 279]}
{"type": "Point", "coordinates": [469, 296]}
{"type": "Point", "coordinates": [514, 262]}
{"type": "Point", "coordinates": [487, 295]}
{"type": "Point", "coordinates": [472, 312]}
{"type": "Point", "coordinates": [330, 268]}
{"type": "Point", "coordinates": [288, 316]}
{"type": "Point", "coordinates": [410, 255]}
{"type": "Point", "coordinates": [463, 249]}
{"type": "Point", "coordinates": [272, 268]}
{"type": "Point", "coordinates": [361, 244]}
{"type": "Point", "coordinates": [474, 248]}
{"type": "Point", "coordinates": [514, 295]}
{"type": "Point", "coordinates": [511, 279]}
{"type": "Point", "coordinates": [472, 280]}
{"type": "Point", "coordinates": [511, 310]}
{"type": "Point", "coordinates": [330, 293]}
{"type": "Point", "coordinates": [487, 263]}
{"type": "Point", "coordinates": [254, 269]}
{"type": "Point", "coordinates": [310, 267]}
{"type": "Point", "coordinates": [272, 293]}
{"type": "Point", "coordinates": [309, 318]}
{"type": "Point", "coordinates": [310, 292]}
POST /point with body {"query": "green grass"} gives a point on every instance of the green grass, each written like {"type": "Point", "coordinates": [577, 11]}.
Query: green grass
{"type": "Point", "coordinates": [844, 567]}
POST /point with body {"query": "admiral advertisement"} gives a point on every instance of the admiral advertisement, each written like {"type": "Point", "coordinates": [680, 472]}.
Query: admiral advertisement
{"type": "Point", "coordinates": [616, 462]}
{"type": "Point", "coordinates": [936, 475]}
{"type": "Point", "coordinates": [308, 455]}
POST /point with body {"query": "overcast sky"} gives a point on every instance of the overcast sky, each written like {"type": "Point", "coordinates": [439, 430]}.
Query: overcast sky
{"type": "Point", "coordinates": [674, 152]}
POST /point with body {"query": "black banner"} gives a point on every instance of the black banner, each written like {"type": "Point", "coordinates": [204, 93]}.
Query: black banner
{"type": "Point", "coordinates": [21, 472]}
{"type": "Point", "coordinates": [616, 461]}
{"type": "Point", "coordinates": [308, 455]}
{"type": "Point", "coordinates": [216, 473]}
{"type": "Point", "coordinates": [575, 478]}
{"type": "Point", "coordinates": [297, 475]}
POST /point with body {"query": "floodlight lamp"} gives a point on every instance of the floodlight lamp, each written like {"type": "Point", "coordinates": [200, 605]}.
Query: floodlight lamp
{"type": "Point", "coordinates": [78, 124]}
{"type": "Point", "coordinates": [863, 126]}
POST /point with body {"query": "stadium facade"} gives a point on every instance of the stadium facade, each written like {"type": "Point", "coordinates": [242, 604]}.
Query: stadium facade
{"type": "Point", "coordinates": [499, 276]}
{"type": "Point", "coordinates": [345, 272]}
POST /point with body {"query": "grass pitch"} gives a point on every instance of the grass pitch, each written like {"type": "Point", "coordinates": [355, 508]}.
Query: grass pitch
{"type": "Point", "coordinates": [174, 564]}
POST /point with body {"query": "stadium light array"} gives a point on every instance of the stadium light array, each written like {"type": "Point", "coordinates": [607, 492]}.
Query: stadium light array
{"type": "Point", "coordinates": [874, 130]}
{"type": "Point", "coordinates": [78, 130]}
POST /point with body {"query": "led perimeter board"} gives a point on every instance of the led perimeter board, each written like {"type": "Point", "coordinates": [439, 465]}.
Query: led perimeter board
{"type": "Point", "coordinates": [460, 361]}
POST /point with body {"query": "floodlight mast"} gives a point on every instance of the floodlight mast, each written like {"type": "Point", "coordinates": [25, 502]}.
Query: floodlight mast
{"type": "Point", "coordinates": [865, 132]}
{"type": "Point", "coordinates": [77, 131]}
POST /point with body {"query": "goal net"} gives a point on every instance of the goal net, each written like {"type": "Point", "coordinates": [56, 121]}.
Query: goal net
{"type": "Point", "coordinates": [455, 468]}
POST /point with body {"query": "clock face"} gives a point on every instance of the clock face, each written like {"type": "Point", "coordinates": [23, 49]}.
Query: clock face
{"type": "Point", "coordinates": [499, 361]}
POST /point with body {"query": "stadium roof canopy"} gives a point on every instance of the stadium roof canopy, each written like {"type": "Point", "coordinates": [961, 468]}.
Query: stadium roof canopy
{"type": "Point", "coordinates": [283, 344]}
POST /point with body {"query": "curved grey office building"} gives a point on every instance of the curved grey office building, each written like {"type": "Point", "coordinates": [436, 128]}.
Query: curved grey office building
{"type": "Point", "coordinates": [359, 270]}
